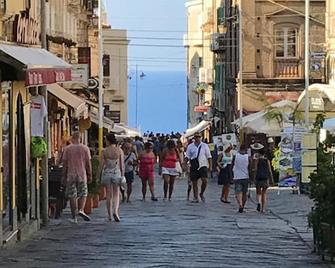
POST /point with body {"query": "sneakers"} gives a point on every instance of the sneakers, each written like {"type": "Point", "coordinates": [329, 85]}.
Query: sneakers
{"type": "Point", "coordinates": [154, 198]}
{"type": "Point", "coordinates": [116, 217]}
{"type": "Point", "coordinates": [73, 220]}
{"type": "Point", "coordinates": [202, 197]}
{"type": "Point", "coordinates": [258, 207]}
{"type": "Point", "coordinates": [240, 210]}
{"type": "Point", "coordinates": [84, 216]}
{"type": "Point", "coordinates": [195, 200]}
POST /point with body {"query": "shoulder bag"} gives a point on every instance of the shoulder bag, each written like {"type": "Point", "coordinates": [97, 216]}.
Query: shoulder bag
{"type": "Point", "coordinates": [195, 162]}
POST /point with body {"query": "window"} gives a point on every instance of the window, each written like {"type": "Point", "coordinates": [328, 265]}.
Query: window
{"type": "Point", "coordinates": [286, 42]}
{"type": "Point", "coordinates": [106, 65]}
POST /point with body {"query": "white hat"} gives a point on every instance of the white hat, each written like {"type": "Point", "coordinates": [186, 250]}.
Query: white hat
{"type": "Point", "coordinates": [270, 140]}
{"type": "Point", "coordinates": [257, 146]}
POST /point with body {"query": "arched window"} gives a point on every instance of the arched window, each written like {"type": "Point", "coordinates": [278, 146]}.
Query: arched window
{"type": "Point", "coordinates": [286, 41]}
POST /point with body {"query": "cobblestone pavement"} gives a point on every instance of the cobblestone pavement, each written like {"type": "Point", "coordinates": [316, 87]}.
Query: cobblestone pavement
{"type": "Point", "coordinates": [177, 234]}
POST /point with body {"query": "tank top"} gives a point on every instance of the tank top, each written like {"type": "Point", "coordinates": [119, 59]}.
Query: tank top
{"type": "Point", "coordinates": [147, 163]}
{"type": "Point", "coordinates": [226, 160]}
{"type": "Point", "coordinates": [170, 160]}
{"type": "Point", "coordinates": [241, 164]}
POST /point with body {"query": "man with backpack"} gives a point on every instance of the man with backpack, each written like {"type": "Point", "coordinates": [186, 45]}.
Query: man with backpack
{"type": "Point", "coordinates": [263, 173]}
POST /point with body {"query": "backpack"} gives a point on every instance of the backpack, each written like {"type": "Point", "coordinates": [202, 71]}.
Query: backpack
{"type": "Point", "coordinates": [262, 169]}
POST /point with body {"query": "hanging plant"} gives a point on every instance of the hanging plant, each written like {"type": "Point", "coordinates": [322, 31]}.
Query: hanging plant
{"type": "Point", "coordinates": [201, 89]}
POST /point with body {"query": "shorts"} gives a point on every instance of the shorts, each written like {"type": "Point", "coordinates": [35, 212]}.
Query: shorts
{"type": "Point", "coordinates": [111, 176]}
{"type": "Point", "coordinates": [169, 171]}
{"type": "Point", "coordinates": [262, 184]}
{"type": "Point", "coordinates": [241, 186]}
{"type": "Point", "coordinates": [129, 177]}
{"type": "Point", "coordinates": [76, 189]}
{"type": "Point", "coordinates": [199, 173]}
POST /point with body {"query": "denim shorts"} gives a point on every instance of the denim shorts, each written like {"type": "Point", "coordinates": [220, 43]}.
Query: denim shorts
{"type": "Point", "coordinates": [129, 177]}
{"type": "Point", "coordinates": [241, 186]}
{"type": "Point", "coordinates": [76, 189]}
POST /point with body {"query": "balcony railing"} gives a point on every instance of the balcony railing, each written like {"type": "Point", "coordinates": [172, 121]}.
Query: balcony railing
{"type": "Point", "coordinates": [288, 68]}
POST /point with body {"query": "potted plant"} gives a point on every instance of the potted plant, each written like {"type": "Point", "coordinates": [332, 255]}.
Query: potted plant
{"type": "Point", "coordinates": [322, 217]}
{"type": "Point", "coordinates": [94, 187]}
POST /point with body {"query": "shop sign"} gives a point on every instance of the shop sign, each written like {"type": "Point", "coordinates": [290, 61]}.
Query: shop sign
{"type": "Point", "coordinates": [26, 29]}
{"type": "Point", "coordinates": [36, 77]}
{"type": "Point", "coordinates": [201, 109]}
{"type": "Point", "coordinates": [317, 103]}
{"type": "Point", "coordinates": [115, 116]}
{"type": "Point", "coordinates": [80, 74]}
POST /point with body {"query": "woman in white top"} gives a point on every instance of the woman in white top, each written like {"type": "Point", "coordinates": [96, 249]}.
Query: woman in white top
{"type": "Point", "coordinates": [112, 162]}
{"type": "Point", "coordinates": [241, 177]}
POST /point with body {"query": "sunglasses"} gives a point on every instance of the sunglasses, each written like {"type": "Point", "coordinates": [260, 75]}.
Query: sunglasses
{"type": "Point", "coordinates": [197, 136]}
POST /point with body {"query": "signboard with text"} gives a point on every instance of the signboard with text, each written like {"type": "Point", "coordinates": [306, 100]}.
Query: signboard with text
{"type": "Point", "coordinates": [36, 77]}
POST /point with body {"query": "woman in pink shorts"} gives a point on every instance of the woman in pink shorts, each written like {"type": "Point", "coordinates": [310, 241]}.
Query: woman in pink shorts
{"type": "Point", "coordinates": [146, 170]}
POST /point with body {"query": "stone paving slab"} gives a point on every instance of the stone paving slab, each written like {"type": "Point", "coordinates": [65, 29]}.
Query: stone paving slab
{"type": "Point", "coordinates": [176, 234]}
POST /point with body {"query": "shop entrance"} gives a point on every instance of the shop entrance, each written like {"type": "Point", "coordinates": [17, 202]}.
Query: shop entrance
{"type": "Point", "coordinates": [7, 213]}
{"type": "Point", "coordinates": [21, 178]}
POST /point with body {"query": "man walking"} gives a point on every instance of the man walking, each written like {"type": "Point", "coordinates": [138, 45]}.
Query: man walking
{"type": "Point", "coordinates": [241, 177]}
{"type": "Point", "coordinates": [77, 171]}
{"type": "Point", "coordinates": [201, 162]}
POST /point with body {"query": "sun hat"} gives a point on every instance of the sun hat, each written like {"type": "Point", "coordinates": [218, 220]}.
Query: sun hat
{"type": "Point", "coordinates": [270, 140]}
{"type": "Point", "coordinates": [257, 146]}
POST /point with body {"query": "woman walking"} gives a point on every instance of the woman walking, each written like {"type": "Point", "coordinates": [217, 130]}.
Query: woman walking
{"type": "Point", "coordinates": [224, 163]}
{"type": "Point", "coordinates": [146, 170]}
{"type": "Point", "coordinates": [168, 161]}
{"type": "Point", "coordinates": [262, 174]}
{"type": "Point", "coordinates": [130, 161]}
{"type": "Point", "coordinates": [112, 175]}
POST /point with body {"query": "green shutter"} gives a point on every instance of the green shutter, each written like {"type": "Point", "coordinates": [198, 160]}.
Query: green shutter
{"type": "Point", "coordinates": [221, 16]}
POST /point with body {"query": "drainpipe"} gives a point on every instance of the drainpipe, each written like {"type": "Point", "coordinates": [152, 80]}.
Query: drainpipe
{"type": "Point", "coordinates": [44, 163]}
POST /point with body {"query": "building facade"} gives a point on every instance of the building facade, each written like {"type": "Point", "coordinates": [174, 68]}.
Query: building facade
{"type": "Point", "coordinates": [330, 41]}
{"type": "Point", "coordinates": [115, 62]}
{"type": "Point", "coordinates": [273, 53]}
{"type": "Point", "coordinates": [199, 60]}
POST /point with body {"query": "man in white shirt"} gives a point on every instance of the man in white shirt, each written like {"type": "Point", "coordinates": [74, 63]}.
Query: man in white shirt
{"type": "Point", "coordinates": [201, 162]}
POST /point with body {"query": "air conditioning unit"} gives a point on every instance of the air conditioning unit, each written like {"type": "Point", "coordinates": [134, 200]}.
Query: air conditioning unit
{"type": "Point", "coordinates": [205, 75]}
{"type": "Point", "coordinates": [202, 75]}
{"type": "Point", "coordinates": [209, 76]}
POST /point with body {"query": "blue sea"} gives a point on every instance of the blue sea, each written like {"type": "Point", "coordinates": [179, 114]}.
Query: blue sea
{"type": "Point", "coordinates": [162, 101]}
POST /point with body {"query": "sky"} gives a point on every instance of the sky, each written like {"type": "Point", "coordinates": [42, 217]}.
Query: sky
{"type": "Point", "coordinates": [155, 30]}
{"type": "Point", "coordinates": [148, 22]}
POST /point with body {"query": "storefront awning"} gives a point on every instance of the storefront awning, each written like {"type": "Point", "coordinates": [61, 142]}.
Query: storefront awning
{"type": "Point", "coordinates": [203, 125]}
{"type": "Point", "coordinates": [40, 66]}
{"type": "Point", "coordinates": [108, 124]}
{"type": "Point", "coordinates": [78, 105]}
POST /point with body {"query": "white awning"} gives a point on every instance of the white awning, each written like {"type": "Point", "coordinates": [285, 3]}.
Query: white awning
{"type": "Point", "coordinates": [203, 125]}
{"type": "Point", "coordinates": [39, 66]}
{"type": "Point", "coordinates": [78, 105]}
{"type": "Point", "coordinates": [34, 58]}
{"type": "Point", "coordinates": [108, 124]}
{"type": "Point", "coordinates": [130, 132]}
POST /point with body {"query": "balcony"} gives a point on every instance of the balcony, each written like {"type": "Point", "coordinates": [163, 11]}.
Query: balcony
{"type": "Point", "coordinates": [217, 43]}
{"type": "Point", "coordinates": [288, 68]}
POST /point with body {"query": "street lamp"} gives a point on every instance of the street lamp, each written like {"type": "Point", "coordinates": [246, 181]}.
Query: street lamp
{"type": "Point", "coordinates": [142, 75]}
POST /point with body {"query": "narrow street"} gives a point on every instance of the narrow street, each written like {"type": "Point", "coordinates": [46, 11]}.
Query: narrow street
{"type": "Point", "coordinates": [177, 234]}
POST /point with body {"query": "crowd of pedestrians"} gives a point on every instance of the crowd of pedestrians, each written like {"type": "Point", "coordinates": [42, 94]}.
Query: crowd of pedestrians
{"type": "Point", "coordinates": [121, 161]}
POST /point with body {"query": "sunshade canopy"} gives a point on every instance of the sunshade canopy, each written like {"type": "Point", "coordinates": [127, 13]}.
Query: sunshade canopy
{"type": "Point", "coordinates": [40, 67]}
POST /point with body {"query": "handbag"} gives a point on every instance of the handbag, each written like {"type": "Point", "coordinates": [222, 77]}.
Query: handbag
{"type": "Point", "coordinates": [178, 168]}
{"type": "Point", "coordinates": [195, 162]}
